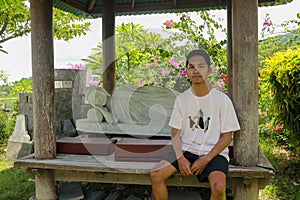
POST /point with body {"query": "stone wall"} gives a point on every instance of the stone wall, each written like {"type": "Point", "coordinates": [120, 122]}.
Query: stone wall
{"type": "Point", "coordinates": [70, 101]}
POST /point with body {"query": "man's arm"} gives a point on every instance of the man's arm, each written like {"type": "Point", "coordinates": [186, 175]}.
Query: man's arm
{"type": "Point", "coordinates": [183, 163]}
{"type": "Point", "coordinates": [224, 141]}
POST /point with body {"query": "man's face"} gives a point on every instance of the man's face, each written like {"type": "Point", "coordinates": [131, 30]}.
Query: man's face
{"type": "Point", "coordinates": [198, 70]}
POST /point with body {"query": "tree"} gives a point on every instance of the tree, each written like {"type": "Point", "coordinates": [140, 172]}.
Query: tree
{"type": "Point", "coordinates": [3, 77]}
{"type": "Point", "coordinates": [146, 58]}
{"type": "Point", "coordinates": [198, 32]}
{"type": "Point", "coordinates": [278, 37]}
{"type": "Point", "coordinates": [22, 86]}
{"type": "Point", "coordinates": [15, 22]}
{"type": "Point", "coordinates": [141, 55]}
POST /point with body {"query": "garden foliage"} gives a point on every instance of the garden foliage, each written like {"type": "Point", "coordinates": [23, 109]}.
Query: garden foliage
{"type": "Point", "coordinates": [147, 58]}
{"type": "Point", "coordinates": [15, 22]}
{"type": "Point", "coordinates": [283, 77]}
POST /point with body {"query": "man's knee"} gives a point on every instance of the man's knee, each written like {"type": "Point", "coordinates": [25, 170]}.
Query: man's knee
{"type": "Point", "coordinates": [217, 182]}
{"type": "Point", "coordinates": [218, 187]}
{"type": "Point", "coordinates": [156, 176]}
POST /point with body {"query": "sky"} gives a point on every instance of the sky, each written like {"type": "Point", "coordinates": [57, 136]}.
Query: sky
{"type": "Point", "coordinates": [17, 63]}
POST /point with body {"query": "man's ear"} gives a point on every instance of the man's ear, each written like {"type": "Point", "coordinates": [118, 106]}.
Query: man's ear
{"type": "Point", "coordinates": [209, 69]}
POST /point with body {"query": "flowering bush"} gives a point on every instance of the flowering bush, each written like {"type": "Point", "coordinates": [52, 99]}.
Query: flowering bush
{"type": "Point", "coordinates": [198, 33]}
{"type": "Point", "coordinates": [218, 78]}
{"type": "Point", "coordinates": [189, 35]}
{"type": "Point", "coordinates": [283, 76]}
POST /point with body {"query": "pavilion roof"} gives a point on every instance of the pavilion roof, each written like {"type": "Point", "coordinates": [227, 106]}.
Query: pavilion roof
{"type": "Point", "coordinates": [92, 8]}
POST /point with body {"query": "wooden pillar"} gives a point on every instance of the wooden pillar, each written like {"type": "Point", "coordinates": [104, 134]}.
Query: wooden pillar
{"type": "Point", "coordinates": [43, 93]}
{"type": "Point", "coordinates": [229, 47]}
{"type": "Point", "coordinates": [109, 45]}
{"type": "Point", "coordinates": [245, 91]}
{"type": "Point", "coordinates": [245, 188]}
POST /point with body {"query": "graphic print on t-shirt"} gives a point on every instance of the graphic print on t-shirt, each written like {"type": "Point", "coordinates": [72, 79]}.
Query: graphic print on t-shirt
{"type": "Point", "coordinates": [197, 121]}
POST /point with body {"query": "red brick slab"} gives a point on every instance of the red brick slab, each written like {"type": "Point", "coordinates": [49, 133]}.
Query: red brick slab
{"type": "Point", "coordinates": [85, 146]}
{"type": "Point", "coordinates": [142, 150]}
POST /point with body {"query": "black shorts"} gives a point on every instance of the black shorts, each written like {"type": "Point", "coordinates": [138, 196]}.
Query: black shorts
{"type": "Point", "coordinates": [219, 163]}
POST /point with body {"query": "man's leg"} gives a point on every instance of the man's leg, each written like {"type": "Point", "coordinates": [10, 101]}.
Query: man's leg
{"type": "Point", "coordinates": [158, 176]}
{"type": "Point", "coordinates": [217, 182]}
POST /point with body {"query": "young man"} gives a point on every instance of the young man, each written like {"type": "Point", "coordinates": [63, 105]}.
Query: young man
{"type": "Point", "coordinates": [202, 121]}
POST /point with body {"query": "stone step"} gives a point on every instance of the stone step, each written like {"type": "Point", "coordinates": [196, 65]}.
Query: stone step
{"type": "Point", "coordinates": [180, 195]}
{"type": "Point", "coordinates": [71, 191]}
{"type": "Point", "coordinates": [113, 196]}
{"type": "Point", "coordinates": [132, 197]}
{"type": "Point", "coordinates": [96, 195]}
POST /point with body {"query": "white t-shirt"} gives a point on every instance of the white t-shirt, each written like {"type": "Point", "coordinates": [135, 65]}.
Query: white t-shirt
{"type": "Point", "coordinates": [201, 120]}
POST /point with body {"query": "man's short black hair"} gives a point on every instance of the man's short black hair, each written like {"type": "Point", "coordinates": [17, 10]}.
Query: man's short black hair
{"type": "Point", "coordinates": [199, 52]}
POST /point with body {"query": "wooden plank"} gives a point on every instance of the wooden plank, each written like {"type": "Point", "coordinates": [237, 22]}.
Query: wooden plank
{"type": "Point", "coordinates": [103, 169]}
{"type": "Point", "coordinates": [264, 162]}
{"type": "Point", "coordinates": [123, 178]}
{"type": "Point", "coordinates": [107, 164]}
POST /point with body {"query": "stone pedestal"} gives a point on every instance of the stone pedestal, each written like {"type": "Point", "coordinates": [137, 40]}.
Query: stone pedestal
{"type": "Point", "coordinates": [17, 150]}
{"type": "Point", "coordinates": [19, 144]}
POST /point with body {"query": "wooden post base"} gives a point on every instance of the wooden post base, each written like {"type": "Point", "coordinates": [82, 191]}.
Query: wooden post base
{"type": "Point", "coordinates": [45, 187]}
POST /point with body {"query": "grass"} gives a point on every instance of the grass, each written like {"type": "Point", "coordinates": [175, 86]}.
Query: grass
{"type": "Point", "coordinates": [286, 183]}
{"type": "Point", "coordinates": [14, 182]}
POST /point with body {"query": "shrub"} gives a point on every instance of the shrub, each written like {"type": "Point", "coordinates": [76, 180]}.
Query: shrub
{"type": "Point", "coordinates": [283, 75]}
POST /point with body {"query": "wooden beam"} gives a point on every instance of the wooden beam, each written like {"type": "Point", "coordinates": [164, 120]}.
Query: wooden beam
{"type": "Point", "coordinates": [175, 3]}
{"type": "Point", "coordinates": [76, 4]}
{"type": "Point", "coordinates": [132, 4]}
{"type": "Point", "coordinates": [91, 5]}
{"type": "Point", "coordinates": [109, 46]}
{"type": "Point", "coordinates": [156, 6]}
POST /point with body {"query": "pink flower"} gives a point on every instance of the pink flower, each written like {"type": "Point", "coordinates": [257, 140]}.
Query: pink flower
{"type": "Point", "coordinates": [141, 83]}
{"type": "Point", "coordinates": [184, 16]}
{"type": "Point", "coordinates": [175, 64]}
{"type": "Point", "coordinates": [94, 83]}
{"type": "Point", "coordinates": [268, 21]}
{"type": "Point", "coordinates": [216, 69]}
{"type": "Point", "coordinates": [78, 66]}
{"type": "Point", "coordinates": [278, 128]}
{"type": "Point", "coordinates": [183, 72]}
{"type": "Point", "coordinates": [219, 84]}
{"type": "Point", "coordinates": [266, 112]}
{"type": "Point", "coordinates": [168, 24]}
{"type": "Point", "coordinates": [259, 112]}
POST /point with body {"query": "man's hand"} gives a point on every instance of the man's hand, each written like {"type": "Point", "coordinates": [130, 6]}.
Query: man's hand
{"type": "Point", "coordinates": [199, 165]}
{"type": "Point", "coordinates": [184, 166]}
